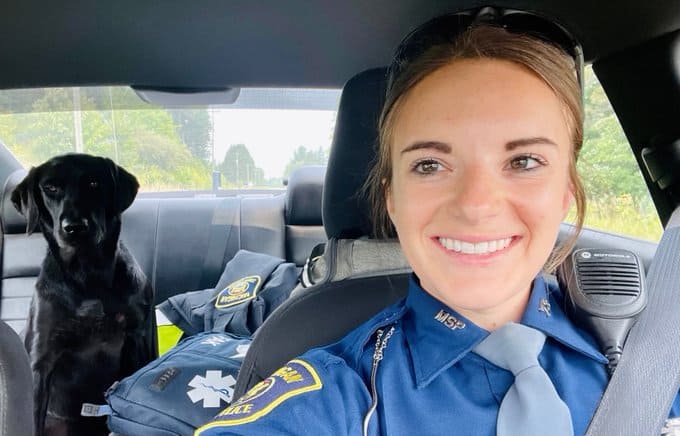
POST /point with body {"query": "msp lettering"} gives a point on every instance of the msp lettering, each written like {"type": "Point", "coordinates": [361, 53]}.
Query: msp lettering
{"type": "Point", "coordinates": [449, 320]}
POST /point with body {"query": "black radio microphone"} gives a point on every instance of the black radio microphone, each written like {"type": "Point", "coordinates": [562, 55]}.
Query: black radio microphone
{"type": "Point", "coordinates": [605, 293]}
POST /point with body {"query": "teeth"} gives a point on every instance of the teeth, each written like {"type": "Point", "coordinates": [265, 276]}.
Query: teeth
{"type": "Point", "coordinates": [467, 247]}
{"type": "Point", "coordinates": [474, 248]}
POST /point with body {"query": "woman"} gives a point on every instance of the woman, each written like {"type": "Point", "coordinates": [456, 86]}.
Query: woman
{"type": "Point", "coordinates": [479, 138]}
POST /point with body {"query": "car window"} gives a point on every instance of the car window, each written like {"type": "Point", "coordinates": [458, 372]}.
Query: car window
{"type": "Point", "coordinates": [618, 199]}
{"type": "Point", "coordinates": [254, 143]}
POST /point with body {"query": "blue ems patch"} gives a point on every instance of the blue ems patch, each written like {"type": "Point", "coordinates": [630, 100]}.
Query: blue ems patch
{"type": "Point", "coordinates": [237, 292]}
{"type": "Point", "coordinates": [295, 378]}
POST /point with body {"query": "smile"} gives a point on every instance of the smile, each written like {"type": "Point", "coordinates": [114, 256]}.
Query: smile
{"type": "Point", "coordinates": [484, 247]}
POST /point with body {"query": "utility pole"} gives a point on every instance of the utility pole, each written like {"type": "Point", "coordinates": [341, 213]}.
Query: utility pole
{"type": "Point", "coordinates": [113, 127]}
{"type": "Point", "coordinates": [77, 120]}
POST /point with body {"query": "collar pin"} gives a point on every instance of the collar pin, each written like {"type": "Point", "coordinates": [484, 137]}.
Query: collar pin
{"type": "Point", "coordinates": [544, 306]}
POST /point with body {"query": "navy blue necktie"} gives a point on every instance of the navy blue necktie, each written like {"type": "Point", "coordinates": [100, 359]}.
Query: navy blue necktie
{"type": "Point", "coordinates": [531, 406]}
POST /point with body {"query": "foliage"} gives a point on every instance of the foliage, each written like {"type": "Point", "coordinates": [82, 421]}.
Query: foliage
{"type": "Point", "coordinates": [145, 142]}
{"type": "Point", "coordinates": [238, 168]}
{"type": "Point", "coordinates": [302, 157]}
{"type": "Point", "coordinates": [194, 128]}
{"type": "Point", "coordinates": [618, 199]}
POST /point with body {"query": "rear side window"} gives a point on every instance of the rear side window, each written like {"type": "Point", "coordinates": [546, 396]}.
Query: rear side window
{"type": "Point", "coordinates": [254, 143]}
{"type": "Point", "coordinates": [618, 199]}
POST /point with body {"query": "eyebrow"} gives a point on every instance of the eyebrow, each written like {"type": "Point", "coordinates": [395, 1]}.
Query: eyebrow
{"type": "Point", "coordinates": [434, 145]}
{"type": "Point", "coordinates": [511, 145]}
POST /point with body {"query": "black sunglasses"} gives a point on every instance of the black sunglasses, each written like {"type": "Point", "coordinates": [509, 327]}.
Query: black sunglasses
{"type": "Point", "coordinates": [446, 28]}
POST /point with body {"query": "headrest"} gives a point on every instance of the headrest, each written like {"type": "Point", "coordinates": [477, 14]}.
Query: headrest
{"type": "Point", "coordinates": [345, 212]}
{"type": "Point", "coordinates": [303, 196]}
{"type": "Point", "coordinates": [12, 221]}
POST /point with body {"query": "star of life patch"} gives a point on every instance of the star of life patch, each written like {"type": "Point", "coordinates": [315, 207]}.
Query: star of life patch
{"type": "Point", "coordinates": [295, 378]}
{"type": "Point", "coordinates": [237, 292]}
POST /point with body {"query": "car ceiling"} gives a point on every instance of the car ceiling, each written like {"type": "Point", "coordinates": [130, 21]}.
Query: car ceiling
{"type": "Point", "coordinates": [298, 43]}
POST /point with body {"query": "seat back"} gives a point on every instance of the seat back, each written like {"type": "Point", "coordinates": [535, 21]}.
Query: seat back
{"type": "Point", "coordinates": [16, 385]}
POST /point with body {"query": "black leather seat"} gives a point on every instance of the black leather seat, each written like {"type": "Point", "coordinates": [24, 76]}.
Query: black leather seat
{"type": "Point", "coordinates": [325, 312]}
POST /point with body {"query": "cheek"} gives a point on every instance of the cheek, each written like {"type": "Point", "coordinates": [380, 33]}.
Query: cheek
{"type": "Point", "coordinates": [399, 204]}
{"type": "Point", "coordinates": [546, 206]}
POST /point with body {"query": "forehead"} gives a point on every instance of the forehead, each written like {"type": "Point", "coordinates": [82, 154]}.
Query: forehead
{"type": "Point", "coordinates": [480, 99]}
{"type": "Point", "coordinates": [74, 168]}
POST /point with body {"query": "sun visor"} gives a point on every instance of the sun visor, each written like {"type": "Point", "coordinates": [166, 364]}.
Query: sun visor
{"type": "Point", "coordinates": [183, 97]}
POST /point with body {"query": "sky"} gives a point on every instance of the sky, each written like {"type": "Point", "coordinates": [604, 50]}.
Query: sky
{"type": "Point", "coordinates": [271, 135]}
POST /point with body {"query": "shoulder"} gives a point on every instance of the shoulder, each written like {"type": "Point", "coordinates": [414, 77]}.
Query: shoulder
{"type": "Point", "coordinates": [352, 346]}
{"type": "Point", "coordinates": [317, 385]}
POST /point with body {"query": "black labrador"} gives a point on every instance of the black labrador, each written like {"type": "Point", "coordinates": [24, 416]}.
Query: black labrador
{"type": "Point", "coordinates": [91, 320]}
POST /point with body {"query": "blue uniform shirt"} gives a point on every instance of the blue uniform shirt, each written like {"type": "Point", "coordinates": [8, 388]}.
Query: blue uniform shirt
{"type": "Point", "coordinates": [428, 382]}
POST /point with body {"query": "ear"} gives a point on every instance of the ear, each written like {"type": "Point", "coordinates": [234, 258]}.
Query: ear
{"type": "Point", "coordinates": [24, 198]}
{"type": "Point", "coordinates": [125, 186]}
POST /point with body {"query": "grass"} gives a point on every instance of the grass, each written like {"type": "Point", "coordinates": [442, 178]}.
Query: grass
{"type": "Point", "coordinates": [622, 215]}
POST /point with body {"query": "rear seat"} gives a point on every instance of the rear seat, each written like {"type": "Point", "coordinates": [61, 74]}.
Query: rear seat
{"type": "Point", "coordinates": [182, 244]}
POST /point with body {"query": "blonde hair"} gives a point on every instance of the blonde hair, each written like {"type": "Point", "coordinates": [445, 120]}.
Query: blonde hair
{"type": "Point", "coordinates": [482, 41]}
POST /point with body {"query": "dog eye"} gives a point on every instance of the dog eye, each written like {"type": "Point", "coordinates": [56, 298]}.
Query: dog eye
{"type": "Point", "coordinates": [50, 188]}
{"type": "Point", "coordinates": [94, 185]}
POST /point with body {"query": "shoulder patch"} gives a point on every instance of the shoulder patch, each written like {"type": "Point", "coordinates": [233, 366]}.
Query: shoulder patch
{"type": "Point", "coordinates": [237, 292]}
{"type": "Point", "coordinates": [295, 378]}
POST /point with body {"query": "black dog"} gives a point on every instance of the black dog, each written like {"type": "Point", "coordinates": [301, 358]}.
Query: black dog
{"type": "Point", "coordinates": [91, 320]}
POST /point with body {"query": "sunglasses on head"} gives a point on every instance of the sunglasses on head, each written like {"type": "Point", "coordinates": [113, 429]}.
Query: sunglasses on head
{"type": "Point", "coordinates": [447, 28]}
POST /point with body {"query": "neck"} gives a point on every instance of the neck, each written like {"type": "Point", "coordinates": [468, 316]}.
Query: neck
{"type": "Point", "coordinates": [87, 266]}
{"type": "Point", "coordinates": [492, 318]}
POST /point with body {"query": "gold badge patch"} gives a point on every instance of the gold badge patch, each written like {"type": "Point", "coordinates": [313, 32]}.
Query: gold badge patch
{"type": "Point", "coordinates": [239, 291]}
{"type": "Point", "coordinates": [295, 378]}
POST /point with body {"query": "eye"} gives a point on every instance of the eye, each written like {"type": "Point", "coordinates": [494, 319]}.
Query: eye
{"type": "Point", "coordinates": [526, 162]}
{"type": "Point", "coordinates": [50, 188]}
{"type": "Point", "coordinates": [426, 166]}
{"type": "Point", "coordinates": [94, 184]}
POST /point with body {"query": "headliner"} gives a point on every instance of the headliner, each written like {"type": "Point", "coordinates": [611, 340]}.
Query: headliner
{"type": "Point", "coordinates": [298, 43]}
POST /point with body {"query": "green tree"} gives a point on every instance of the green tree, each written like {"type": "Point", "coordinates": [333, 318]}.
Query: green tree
{"type": "Point", "coordinates": [302, 157]}
{"type": "Point", "coordinates": [145, 142]}
{"type": "Point", "coordinates": [238, 167]}
{"type": "Point", "coordinates": [606, 162]}
{"type": "Point", "coordinates": [194, 129]}
{"type": "Point", "coordinates": [618, 199]}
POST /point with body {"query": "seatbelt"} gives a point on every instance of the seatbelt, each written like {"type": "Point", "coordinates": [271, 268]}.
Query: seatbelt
{"type": "Point", "coordinates": [225, 236]}
{"type": "Point", "coordinates": [647, 378]}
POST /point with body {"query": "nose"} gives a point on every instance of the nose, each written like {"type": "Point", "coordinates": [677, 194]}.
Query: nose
{"type": "Point", "coordinates": [75, 226]}
{"type": "Point", "coordinates": [476, 195]}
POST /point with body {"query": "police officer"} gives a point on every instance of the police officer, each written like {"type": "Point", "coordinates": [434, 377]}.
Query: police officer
{"type": "Point", "coordinates": [478, 144]}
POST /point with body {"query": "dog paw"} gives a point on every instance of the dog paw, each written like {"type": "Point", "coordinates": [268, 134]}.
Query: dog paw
{"type": "Point", "coordinates": [90, 309]}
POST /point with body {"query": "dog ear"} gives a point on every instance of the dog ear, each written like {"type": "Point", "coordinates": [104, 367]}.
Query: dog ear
{"type": "Point", "coordinates": [25, 201]}
{"type": "Point", "coordinates": [125, 186]}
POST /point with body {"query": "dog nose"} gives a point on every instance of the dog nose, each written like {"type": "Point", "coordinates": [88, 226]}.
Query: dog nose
{"type": "Point", "coordinates": [74, 226]}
